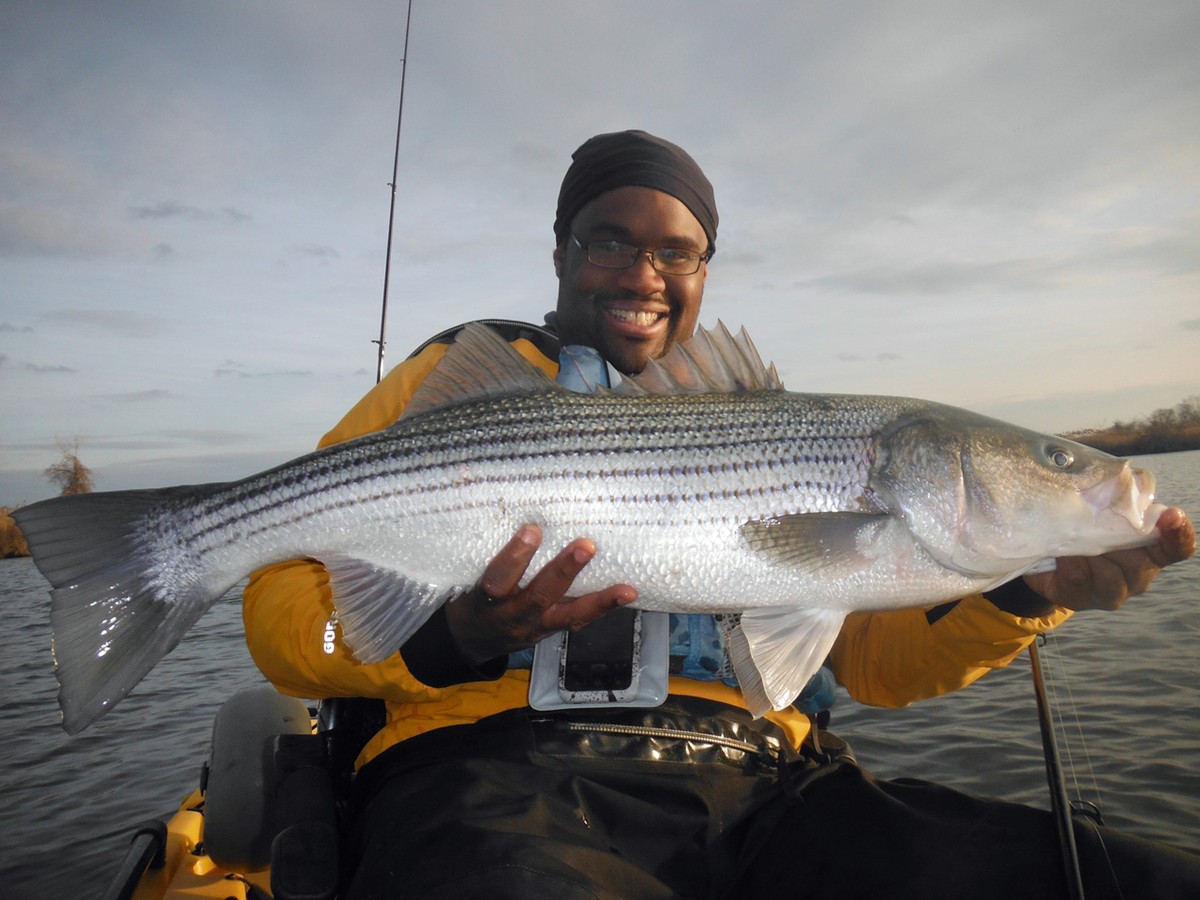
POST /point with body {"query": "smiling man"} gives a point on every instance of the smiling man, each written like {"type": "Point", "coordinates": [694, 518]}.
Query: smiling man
{"type": "Point", "coordinates": [620, 761]}
{"type": "Point", "coordinates": [635, 228]}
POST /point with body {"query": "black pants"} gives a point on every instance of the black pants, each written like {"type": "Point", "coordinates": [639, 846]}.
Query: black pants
{"type": "Point", "coordinates": [514, 807]}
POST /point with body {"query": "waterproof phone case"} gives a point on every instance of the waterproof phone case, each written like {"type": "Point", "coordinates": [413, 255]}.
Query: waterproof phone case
{"type": "Point", "coordinates": [618, 660]}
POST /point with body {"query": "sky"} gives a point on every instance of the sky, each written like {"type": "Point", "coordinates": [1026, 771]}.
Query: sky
{"type": "Point", "coordinates": [993, 205]}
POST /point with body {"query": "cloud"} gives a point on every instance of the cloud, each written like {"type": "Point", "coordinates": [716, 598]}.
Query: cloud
{"type": "Point", "coordinates": [945, 278]}
{"type": "Point", "coordinates": [46, 370]}
{"type": "Point", "coordinates": [938, 262]}
{"type": "Point", "coordinates": [878, 357]}
{"type": "Point", "coordinates": [37, 169]}
{"type": "Point", "coordinates": [1190, 324]}
{"type": "Point", "coordinates": [137, 396]}
{"type": "Point", "coordinates": [8, 328]}
{"type": "Point", "coordinates": [135, 444]}
{"type": "Point", "coordinates": [124, 322]}
{"type": "Point", "coordinates": [209, 436]}
{"type": "Point", "coordinates": [1172, 254]}
{"type": "Point", "coordinates": [317, 251]}
{"type": "Point", "coordinates": [173, 209]}
{"type": "Point", "coordinates": [238, 370]}
{"type": "Point", "coordinates": [49, 230]}
{"type": "Point", "coordinates": [35, 368]}
{"type": "Point", "coordinates": [55, 205]}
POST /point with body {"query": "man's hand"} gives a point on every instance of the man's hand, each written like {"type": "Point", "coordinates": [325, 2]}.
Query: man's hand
{"type": "Point", "coordinates": [1106, 582]}
{"type": "Point", "coordinates": [498, 616]}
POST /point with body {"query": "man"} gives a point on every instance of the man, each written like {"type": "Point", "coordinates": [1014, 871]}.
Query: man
{"type": "Point", "coordinates": [467, 791]}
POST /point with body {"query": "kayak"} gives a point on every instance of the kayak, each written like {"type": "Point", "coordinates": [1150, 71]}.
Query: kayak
{"type": "Point", "coordinates": [167, 860]}
{"type": "Point", "coordinates": [263, 822]}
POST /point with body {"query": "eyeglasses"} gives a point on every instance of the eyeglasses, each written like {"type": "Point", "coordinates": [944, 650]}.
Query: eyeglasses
{"type": "Point", "coordinates": [616, 255]}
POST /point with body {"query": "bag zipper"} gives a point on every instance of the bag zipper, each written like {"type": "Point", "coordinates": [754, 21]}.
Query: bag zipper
{"type": "Point", "coordinates": [649, 731]}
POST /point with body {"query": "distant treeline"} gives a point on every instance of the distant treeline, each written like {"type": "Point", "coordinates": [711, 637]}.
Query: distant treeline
{"type": "Point", "coordinates": [1163, 431]}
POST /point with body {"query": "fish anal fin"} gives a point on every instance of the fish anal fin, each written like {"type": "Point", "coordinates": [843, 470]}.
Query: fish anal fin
{"type": "Point", "coordinates": [775, 652]}
{"type": "Point", "coordinates": [817, 541]}
{"type": "Point", "coordinates": [378, 608]}
{"type": "Point", "coordinates": [480, 363]}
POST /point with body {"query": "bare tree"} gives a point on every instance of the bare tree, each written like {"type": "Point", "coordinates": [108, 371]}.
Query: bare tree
{"type": "Point", "coordinates": [69, 474]}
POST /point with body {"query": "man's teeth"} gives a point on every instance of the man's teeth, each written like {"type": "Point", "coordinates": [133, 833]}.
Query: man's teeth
{"type": "Point", "coordinates": [634, 317]}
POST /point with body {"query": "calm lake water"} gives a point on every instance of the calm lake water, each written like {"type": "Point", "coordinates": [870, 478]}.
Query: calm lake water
{"type": "Point", "coordinates": [1126, 684]}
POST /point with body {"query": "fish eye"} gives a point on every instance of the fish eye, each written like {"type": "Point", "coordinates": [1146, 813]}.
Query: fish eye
{"type": "Point", "coordinates": [1061, 458]}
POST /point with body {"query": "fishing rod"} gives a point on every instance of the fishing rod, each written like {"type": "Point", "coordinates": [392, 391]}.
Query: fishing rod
{"type": "Point", "coordinates": [1054, 775]}
{"type": "Point", "coordinates": [387, 260]}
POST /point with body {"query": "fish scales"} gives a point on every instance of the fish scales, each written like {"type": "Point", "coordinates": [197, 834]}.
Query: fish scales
{"type": "Point", "coordinates": [690, 451]}
{"type": "Point", "coordinates": [427, 494]}
{"type": "Point", "coordinates": [790, 509]}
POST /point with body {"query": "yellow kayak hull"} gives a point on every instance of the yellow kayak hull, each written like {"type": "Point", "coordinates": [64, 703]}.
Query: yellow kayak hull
{"type": "Point", "coordinates": [187, 871]}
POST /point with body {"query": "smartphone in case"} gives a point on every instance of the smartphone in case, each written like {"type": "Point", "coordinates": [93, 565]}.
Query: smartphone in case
{"type": "Point", "coordinates": [621, 659]}
{"type": "Point", "coordinates": [603, 655]}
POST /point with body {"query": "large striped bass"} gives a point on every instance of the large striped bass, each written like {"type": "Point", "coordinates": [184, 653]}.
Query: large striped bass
{"type": "Point", "coordinates": [702, 482]}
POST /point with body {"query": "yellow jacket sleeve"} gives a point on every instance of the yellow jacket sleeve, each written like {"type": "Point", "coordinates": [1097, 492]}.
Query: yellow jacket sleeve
{"type": "Point", "coordinates": [895, 658]}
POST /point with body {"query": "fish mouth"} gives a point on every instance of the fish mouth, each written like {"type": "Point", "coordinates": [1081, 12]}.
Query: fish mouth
{"type": "Point", "coordinates": [1127, 497]}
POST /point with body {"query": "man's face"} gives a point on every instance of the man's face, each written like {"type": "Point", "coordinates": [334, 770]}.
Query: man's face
{"type": "Point", "coordinates": [630, 315]}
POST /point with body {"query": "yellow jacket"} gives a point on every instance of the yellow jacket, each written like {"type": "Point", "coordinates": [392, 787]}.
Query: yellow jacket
{"type": "Point", "coordinates": [883, 659]}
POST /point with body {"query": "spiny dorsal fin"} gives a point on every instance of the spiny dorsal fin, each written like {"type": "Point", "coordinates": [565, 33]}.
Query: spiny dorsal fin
{"type": "Point", "coordinates": [480, 363]}
{"type": "Point", "coordinates": [713, 361]}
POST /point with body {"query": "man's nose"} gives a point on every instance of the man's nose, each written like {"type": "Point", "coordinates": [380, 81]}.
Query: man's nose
{"type": "Point", "coordinates": [642, 277]}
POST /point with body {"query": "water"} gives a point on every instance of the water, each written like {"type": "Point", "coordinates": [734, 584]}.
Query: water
{"type": "Point", "coordinates": [1128, 684]}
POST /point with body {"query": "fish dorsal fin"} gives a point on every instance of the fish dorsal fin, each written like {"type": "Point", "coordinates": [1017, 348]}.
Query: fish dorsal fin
{"type": "Point", "coordinates": [712, 362]}
{"type": "Point", "coordinates": [480, 363]}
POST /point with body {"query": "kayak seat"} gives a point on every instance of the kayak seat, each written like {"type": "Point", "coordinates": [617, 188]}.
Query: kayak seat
{"type": "Point", "coordinates": [240, 779]}
{"type": "Point", "coordinates": [273, 788]}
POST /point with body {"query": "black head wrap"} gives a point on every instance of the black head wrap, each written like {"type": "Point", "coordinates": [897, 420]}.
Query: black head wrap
{"type": "Point", "coordinates": [626, 158]}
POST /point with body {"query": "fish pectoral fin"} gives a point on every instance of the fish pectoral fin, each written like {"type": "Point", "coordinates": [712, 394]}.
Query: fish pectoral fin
{"type": "Point", "coordinates": [776, 651]}
{"type": "Point", "coordinates": [817, 541]}
{"type": "Point", "coordinates": [379, 608]}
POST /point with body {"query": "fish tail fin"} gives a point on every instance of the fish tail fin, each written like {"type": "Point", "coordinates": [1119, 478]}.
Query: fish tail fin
{"type": "Point", "coordinates": [112, 613]}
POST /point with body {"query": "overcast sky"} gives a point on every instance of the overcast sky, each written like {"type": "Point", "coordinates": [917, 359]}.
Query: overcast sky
{"type": "Point", "coordinates": [995, 205]}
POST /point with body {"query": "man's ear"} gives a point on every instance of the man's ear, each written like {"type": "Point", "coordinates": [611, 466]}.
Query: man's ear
{"type": "Point", "coordinates": [558, 259]}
